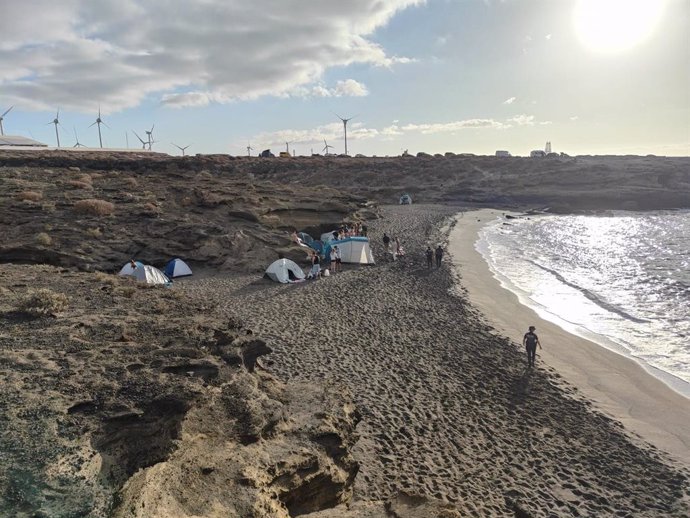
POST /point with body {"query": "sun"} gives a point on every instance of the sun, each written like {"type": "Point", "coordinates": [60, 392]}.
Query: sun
{"type": "Point", "coordinates": [612, 26]}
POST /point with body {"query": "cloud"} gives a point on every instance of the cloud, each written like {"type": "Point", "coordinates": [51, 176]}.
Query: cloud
{"type": "Point", "coordinates": [574, 117]}
{"type": "Point", "coordinates": [522, 120]}
{"type": "Point", "coordinates": [548, 36]}
{"type": "Point", "coordinates": [359, 131]}
{"type": "Point", "coordinates": [79, 53]}
{"type": "Point", "coordinates": [350, 88]}
{"type": "Point", "coordinates": [510, 100]}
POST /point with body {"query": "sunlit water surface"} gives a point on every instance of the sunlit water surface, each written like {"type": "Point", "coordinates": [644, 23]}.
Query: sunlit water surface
{"type": "Point", "coordinates": [623, 277]}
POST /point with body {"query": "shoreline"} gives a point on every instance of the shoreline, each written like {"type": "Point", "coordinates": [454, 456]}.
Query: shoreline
{"type": "Point", "coordinates": [618, 385]}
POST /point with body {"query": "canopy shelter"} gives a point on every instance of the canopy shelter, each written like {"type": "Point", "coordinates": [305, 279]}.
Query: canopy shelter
{"type": "Point", "coordinates": [285, 271]}
{"type": "Point", "coordinates": [353, 250]}
{"type": "Point", "coordinates": [177, 268]}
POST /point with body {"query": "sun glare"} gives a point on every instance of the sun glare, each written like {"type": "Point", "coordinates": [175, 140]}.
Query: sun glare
{"type": "Point", "coordinates": [616, 25]}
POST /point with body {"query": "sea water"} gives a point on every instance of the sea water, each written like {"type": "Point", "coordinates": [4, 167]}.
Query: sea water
{"type": "Point", "coordinates": [620, 278]}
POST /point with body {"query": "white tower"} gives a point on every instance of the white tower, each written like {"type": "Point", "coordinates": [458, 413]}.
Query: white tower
{"type": "Point", "coordinates": [547, 149]}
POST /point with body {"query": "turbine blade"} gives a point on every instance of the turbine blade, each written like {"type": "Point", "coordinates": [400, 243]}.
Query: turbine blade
{"type": "Point", "coordinates": [7, 111]}
{"type": "Point", "coordinates": [104, 124]}
{"type": "Point", "coordinates": [92, 124]}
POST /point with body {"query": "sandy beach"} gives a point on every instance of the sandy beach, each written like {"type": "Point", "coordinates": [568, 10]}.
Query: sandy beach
{"type": "Point", "coordinates": [619, 386]}
{"type": "Point", "coordinates": [449, 410]}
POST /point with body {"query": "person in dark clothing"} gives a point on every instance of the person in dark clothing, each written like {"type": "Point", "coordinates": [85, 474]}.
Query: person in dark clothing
{"type": "Point", "coordinates": [429, 257]}
{"type": "Point", "coordinates": [386, 241]}
{"type": "Point", "coordinates": [365, 229]}
{"type": "Point", "coordinates": [439, 256]}
{"type": "Point", "coordinates": [530, 341]}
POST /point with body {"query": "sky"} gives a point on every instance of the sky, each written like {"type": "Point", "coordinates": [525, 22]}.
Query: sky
{"type": "Point", "coordinates": [466, 76]}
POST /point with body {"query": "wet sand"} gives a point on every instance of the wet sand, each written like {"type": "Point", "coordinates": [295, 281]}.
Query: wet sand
{"type": "Point", "coordinates": [448, 408]}
{"type": "Point", "coordinates": [620, 386]}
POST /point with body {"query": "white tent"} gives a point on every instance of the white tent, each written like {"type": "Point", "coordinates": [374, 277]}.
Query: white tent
{"type": "Point", "coordinates": [284, 270]}
{"type": "Point", "coordinates": [128, 269]}
{"type": "Point", "coordinates": [150, 275]}
{"type": "Point", "coordinates": [177, 268]}
{"type": "Point", "coordinates": [355, 250]}
{"type": "Point", "coordinates": [328, 236]}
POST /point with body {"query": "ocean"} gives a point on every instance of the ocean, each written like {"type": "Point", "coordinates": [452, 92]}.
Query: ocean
{"type": "Point", "coordinates": [621, 279]}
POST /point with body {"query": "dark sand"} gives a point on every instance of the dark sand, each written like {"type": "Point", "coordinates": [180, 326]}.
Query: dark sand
{"type": "Point", "coordinates": [448, 408]}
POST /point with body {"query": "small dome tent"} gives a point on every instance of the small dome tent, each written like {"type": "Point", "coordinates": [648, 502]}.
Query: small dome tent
{"type": "Point", "coordinates": [177, 268]}
{"type": "Point", "coordinates": [406, 199]}
{"type": "Point", "coordinates": [285, 271]}
{"type": "Point", "coordinates": [150, 275]}
{"type": "Point", "coordinates": [128, 269]}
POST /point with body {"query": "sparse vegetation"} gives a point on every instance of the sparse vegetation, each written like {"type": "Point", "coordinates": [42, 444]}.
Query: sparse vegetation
{"type": "Point", "coordinates": [94, 232]}
{"type": "Point", "coordinates": [94, 207]}
{"type": "Point", "coordinates": [43, 239]}
{"type": "Point", "coordinates": [131, 182]}
{"type": "Point", "coordinates": [30, 196]}
{"type": "Point", "coordinates": [43, 302]}
{"type": "Point", "coordinates": [77, 184]}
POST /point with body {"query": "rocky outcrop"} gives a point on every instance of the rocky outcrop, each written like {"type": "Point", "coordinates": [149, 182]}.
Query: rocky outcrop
{"type": "Point", "coordinates": [134, 402]}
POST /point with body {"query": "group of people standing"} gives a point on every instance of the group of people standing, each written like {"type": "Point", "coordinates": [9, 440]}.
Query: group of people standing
{"type": "Point", "coordinates": [335, 259]}
{"type": "Point", "coordinates": [430, 254]}
{"type": "Point", "coordinates": [350, 230]}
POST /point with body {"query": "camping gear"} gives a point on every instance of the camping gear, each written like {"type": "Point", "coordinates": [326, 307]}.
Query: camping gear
{"type": "Point", "coordinates": [285, 271]}
{"type": "Point", "coordinates": [406, 199]}
{"type": "Point", "coordinates": [177, 268]}
{"type": "Point", "coordinates": [306, 238]}
{"type": "Point", "coordinates": [328, 236]}
{"type": "Point", "coordinates": [128, 269]}
{"type": "Point", "coordinates": [150, 275]}
{"type": "Point", "coordinates": [355, 250]}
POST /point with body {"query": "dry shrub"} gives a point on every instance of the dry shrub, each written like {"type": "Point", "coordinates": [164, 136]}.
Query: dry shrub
{"type": "Point", "coordinates": [151, 209]}
{"type": "Point", "coordinates": [86, 178]}
{"type": "Point", "coordinates": [43, 302]}
{"type": "Point", "coordinates": [94, 232]}
{"type": "Point", "coordinates": [48, 207]}
{"type": "Point", "coordinates": [186, 201]}
{"type": "Point", "coordinates": [43, 239]}
{"type": "Point", "coordinates": [131, 182]}
{"type": "Point", "coordinates": [94, 207]}
{"type": "Point", "coordinates": [125, 291]}
{"type": "Point", "coordinates": [111, 280]}
{"type": "Point", "coordinates": [79, 184]}
{"type": "Point", "coordinates": [30, 196]}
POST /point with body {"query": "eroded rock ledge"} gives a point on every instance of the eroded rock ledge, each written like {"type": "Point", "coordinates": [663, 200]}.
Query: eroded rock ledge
{"type": "Point", "coordinates": [133, 402]}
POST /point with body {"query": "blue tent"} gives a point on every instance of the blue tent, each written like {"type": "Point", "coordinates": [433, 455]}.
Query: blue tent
{"type": "Point", "coordinates": [177, 268]}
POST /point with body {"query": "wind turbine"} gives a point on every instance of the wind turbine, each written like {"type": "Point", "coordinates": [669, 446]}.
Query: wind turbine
{"type": "Point", "coordinates": [181, 148]}
{"type": "Point", "coordinates": [56, 121]}
{"type": "Point", "coordinates": [78, 144]}
{"type": "Point", "coordinates": [143, 142]}
{"type": "Point", "coordinates": [98, 122]}
{"type": "Point", "coordinates": [326, 146]}
{"type": "Point", "coordinates": [2, 131]}
{"type": "Point", "coordinates": [345, 121]}
{"type": "Point", "coordinates": [287, 147]}
{"type": "Point", "coordinates": [149, 134]}
{"type": "Point", "coordinates": [249, 149]}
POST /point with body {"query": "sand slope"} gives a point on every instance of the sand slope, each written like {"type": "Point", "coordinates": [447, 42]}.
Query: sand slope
{"type": "Point", "coordinates": [448, 409]}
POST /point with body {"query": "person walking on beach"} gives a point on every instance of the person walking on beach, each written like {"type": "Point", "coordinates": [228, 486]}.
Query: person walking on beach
{"type": "Point", "coordinates": [439, 256]}
{"type": "Point", "coordinates": [386, 241]}
{"type": "Point", "coordinates": [530, 341]}
{"type": "Point", "coordinates": [429, 257]}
